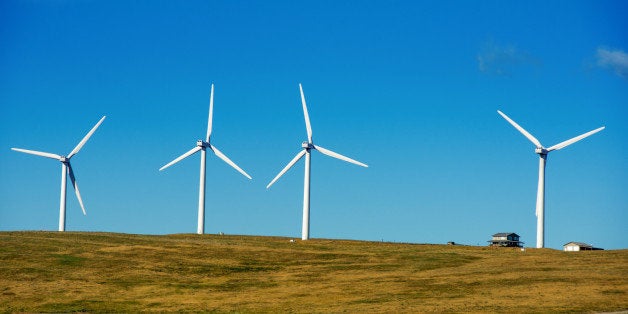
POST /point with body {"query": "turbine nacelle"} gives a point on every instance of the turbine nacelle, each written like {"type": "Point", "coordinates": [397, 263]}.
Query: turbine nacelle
{"type": "Point", "coordinates": [201, 143]}
{"type": "Point", "coordinates": [64, 159]}
{"type": "Point", "coordinates": [307, 145]}
{"type": "Point", "coordinates": [541, 151]}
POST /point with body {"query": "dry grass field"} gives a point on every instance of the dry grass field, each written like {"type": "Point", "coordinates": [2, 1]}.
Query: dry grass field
{"type": "Point", "coordinates": [105, 272]}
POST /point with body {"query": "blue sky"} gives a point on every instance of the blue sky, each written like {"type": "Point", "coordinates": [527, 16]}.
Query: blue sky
{"type": "Point", "coordinates": [409, 87]}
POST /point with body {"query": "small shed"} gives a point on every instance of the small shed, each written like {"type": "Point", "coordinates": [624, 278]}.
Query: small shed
{"type": "Point", "coordinates": [579, 246]}
{"type": "Point", "coordinates": [506, 239]}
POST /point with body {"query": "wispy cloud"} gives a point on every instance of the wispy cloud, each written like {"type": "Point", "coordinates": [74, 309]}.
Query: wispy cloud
{"type": "Point", "coordinates": [616, 60]}
{"type": "Point", "coordinates": [502, 60]}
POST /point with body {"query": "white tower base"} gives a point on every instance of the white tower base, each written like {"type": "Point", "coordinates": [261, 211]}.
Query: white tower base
{"type": "Point", "coordinates": [540, 204]}
{"type": "Point", "coordinates": [305, 231]}
{"type": "Point", "coordinates": [64, 171]}
{"type": "Point", "coordinates": [201, 195]}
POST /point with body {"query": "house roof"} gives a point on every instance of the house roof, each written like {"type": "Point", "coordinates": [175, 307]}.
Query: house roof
{"type": "Point", "coordinates": [504, 234]}
{"type": "Point", "coordinates": [580, 244]}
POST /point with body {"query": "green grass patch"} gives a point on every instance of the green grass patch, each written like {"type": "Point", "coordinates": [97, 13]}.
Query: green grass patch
{"type": "Point", "coordinates": [69, 260]}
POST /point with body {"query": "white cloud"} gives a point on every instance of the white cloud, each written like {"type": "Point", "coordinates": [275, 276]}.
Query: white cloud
{"type": "Point", "coordinates": [502, 60]}
{"type": "Point", "coordinates": [617, 60]}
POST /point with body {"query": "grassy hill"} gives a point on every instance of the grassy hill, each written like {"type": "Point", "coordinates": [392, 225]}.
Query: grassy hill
{"type": "Point", "coordinates": [105, 272]}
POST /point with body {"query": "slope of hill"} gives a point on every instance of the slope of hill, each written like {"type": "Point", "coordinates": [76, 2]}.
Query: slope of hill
{"type": "Point", "coordinates": [105, 272]}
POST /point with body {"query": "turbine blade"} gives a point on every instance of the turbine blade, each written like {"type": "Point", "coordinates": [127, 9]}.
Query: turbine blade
{"type": "Point", "coordinates": [287, 167]}
{"type": "Point", "coordinates": [227, 160]}
{"type": "Point", "coordinates": [34, 152]}
{"type": "Point", "coordinates": [84, 140]}
{"type": "Point", "coordinates": [211, 114]}
{"type": "Point", "coordinates": [522, 130]}
{"type": "Point", "coordinates": [573, 140]}
{"type": "Point", "coordinates": [341, 157]}
{"type": "Point", "coordinates": [308, 127]}
{"type": "Point", "coordinates": [76, 189]}
{"type": "Point", "coordinates": [188, 153]}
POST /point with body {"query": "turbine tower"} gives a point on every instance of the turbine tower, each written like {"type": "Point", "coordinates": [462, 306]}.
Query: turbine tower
{"type": "Point", "coordinates": [306, 148]}
{"type": "Point", "coordinates": [202, 146]}
{"type": "Point", "coordinates": [66, 170]}
{"type": "Point", "coordinates": [542, 151]}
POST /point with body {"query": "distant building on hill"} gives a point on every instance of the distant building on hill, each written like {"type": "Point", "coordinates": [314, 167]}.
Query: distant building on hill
{"type": "Point", "coordinates": [579, 246]}
{"type": "Point", "coordinates": [506, 239]}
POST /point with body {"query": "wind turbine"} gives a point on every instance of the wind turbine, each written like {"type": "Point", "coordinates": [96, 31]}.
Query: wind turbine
{"type": "Point", "coordinates": [66, 170]}
{"type": "Point", "coordinates": [542, 151]}
{"type": "Point", "coordinates": [202, 146]}
{"type": "Point", "coordinates": [307, 147]}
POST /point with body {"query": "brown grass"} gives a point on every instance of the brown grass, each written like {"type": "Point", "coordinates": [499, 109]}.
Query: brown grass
{"type": "Point", "coordinates": [103, 272]}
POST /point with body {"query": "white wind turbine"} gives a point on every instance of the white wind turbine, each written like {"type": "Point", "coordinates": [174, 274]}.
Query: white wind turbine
{"type": "Point", "coordinates": [66, 170]}
{"type": "Point", "coordinates": [202, 146]}
{"type": "Point", "coordinates": [542, 151]}
{"type": "Point", "coordinates": [307, 147]}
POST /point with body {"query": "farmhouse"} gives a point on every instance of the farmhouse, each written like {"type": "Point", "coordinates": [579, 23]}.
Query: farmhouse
{"type": "Point", "coordinates": [579, 246]}
{"type": "Point", "coordinates": [506, 239]}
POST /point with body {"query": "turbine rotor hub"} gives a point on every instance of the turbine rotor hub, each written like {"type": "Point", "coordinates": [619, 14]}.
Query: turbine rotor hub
{"type": "Point", "coordinates": [64, 159]}
{"type": "Point", "coordinates": [307, 145]}
{"type": "Point", "coordinates": [541, 151]}
{"type": "Point", "coordinates": [201, 143]}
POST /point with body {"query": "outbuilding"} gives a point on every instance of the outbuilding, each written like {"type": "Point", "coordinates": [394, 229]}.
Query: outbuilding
{"type": "Point", "coordinates": [579, 246]}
